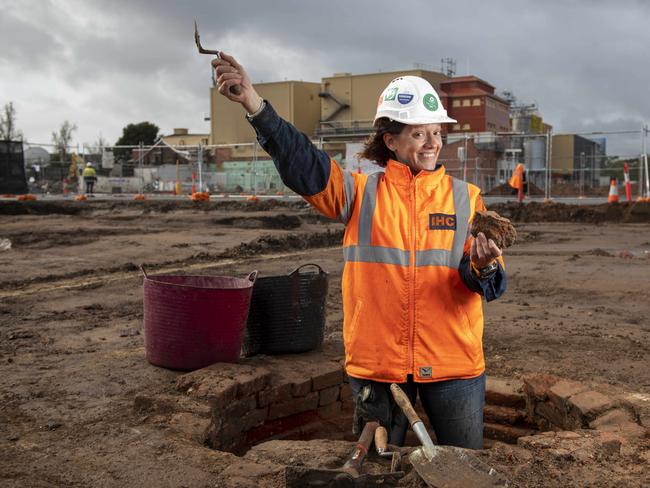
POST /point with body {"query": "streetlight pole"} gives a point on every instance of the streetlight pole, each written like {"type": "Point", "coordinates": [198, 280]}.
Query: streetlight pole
{"type": "Point", "coordinates": [582, 175]}
{"type": "Point", "coordinates": [645, 161]}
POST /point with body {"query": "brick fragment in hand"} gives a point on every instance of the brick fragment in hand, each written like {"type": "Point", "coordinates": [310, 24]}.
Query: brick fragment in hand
{"type": "Point", "coordinates": [495, 227]}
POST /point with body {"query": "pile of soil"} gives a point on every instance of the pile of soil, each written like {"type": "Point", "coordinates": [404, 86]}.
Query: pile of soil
{"type": "Point", "coordinates": [39, 207]}
{"type": "Point", "coordinates": [636, 212]}
{"type": "Point", "coordinates": [506, 189]}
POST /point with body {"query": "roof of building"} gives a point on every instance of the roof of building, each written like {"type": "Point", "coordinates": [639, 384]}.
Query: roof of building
{"type": "Point", "coordinates": [465, 79]}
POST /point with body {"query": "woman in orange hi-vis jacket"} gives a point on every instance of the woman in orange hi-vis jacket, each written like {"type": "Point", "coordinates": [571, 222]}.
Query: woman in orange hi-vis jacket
{"type": "Point", "coordinates": [413, 275]}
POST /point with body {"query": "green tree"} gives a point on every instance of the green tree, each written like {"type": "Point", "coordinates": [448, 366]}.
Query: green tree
{"type": "Point", "coordinates": [8, 131]}
{"type": "Point", "coordinates": [134, 134]}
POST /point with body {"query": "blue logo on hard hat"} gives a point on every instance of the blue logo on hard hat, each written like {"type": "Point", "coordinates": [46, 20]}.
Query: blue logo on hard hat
{"type": "Point", "coordinates": [404, 98]}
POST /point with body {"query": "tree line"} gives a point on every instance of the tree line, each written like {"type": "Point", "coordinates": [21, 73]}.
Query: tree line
{"type": "Point", "coordinates": [132, 134]}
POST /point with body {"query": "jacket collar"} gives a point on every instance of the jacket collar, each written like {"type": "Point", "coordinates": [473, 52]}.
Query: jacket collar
{"type": "Point", "coordinates": [400, 174]}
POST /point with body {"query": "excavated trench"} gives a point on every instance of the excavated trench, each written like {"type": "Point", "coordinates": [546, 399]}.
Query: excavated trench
{"type": "Point", "coordinates": [303, 397]}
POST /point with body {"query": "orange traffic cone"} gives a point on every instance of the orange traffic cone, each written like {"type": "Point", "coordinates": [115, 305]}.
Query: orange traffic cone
{"type": "Point", "coordinates": [613, 191]}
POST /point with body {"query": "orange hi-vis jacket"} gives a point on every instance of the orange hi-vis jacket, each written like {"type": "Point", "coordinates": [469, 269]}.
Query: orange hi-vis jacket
{"type": "Point", "coordinates": [407, 310]}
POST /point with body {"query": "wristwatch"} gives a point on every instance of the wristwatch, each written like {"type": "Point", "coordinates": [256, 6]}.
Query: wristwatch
{"type": "Point", "coordinates": [486, 271]}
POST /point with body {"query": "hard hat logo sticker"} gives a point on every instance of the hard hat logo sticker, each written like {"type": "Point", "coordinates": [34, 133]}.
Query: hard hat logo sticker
{"type": "Point", "coordinates": [404, 98]}
{"type": "Point", "coordinates": [430, 102]}
{"type": "Point", "coordinates": [390, 94]}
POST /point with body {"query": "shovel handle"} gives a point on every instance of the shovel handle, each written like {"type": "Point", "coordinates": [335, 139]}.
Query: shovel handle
{"type": "Point", "coordinates": [404, 403]}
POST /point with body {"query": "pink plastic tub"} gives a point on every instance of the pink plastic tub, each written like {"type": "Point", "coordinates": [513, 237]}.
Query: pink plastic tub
{"type": "Point", "coordinates": [193, 321]}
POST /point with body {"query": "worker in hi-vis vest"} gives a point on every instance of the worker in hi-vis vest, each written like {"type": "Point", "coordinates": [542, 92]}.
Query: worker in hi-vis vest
{"type": "Point", "coordinates": [413, 276]}
{"type": "Point", "coordinates": [90, 176]}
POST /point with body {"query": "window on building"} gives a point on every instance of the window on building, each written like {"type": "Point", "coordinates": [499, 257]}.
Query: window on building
{"type": "Point", "coordinates": [491, 104]}
{"type": "Point", "coordinates": [476, 102]}
{"type": "Point", "coordinates": [204, 141]}
{"type": "Point", "coordinates": [456, 127]}
{"type": "Point", "coordinates": [181, 142]}
{"type": "Point", "coordinates": [455, 103]}
{"type": "Point", "coordinates": [466, 102]}
{"type": "Point", "coordinates": [466, 127]}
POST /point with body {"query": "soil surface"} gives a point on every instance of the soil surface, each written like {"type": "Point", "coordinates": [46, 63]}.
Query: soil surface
{"type": "Point", "coordinates": [72, 353]}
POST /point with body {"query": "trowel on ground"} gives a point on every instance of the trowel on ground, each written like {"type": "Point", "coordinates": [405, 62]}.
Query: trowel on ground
{"type": "Point", "coordinates": [349, 475]}
{"type": "Point", "coordinates": [445, 466]}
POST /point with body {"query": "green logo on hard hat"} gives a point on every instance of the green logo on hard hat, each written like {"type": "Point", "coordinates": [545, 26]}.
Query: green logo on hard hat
{"type": "Point", "coordinates": [390, 94]}
{"type": "Point", "coordinates": [430, 102]}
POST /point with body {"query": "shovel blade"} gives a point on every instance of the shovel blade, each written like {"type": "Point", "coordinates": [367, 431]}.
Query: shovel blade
{"type": "Point", "coordinates": [453, 467]}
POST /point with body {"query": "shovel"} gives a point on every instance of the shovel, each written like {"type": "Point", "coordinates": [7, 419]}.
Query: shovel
{"type": "Point", "coordinates": [444, 466]}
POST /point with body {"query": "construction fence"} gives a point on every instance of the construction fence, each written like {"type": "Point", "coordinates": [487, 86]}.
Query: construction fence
{"type": "Point", "coordinates": [559, 165]}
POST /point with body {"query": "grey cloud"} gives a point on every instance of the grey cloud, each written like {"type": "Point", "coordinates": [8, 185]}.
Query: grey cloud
{"type": "Point", "coordinates": [583, 61]}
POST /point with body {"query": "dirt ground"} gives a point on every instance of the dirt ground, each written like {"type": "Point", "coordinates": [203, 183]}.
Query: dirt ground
{"type": "Point", "coordinates": [71, 345]}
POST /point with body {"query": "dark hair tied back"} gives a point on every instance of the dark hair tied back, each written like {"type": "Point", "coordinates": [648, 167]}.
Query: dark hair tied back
{"type": "Point", "coordinates": [374, 148]}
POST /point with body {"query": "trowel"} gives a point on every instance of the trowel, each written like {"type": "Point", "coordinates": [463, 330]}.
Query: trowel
{"type": "Point", "coordinates": [235, 89]}
{"type": "Point", "coordinates": [445, 466]}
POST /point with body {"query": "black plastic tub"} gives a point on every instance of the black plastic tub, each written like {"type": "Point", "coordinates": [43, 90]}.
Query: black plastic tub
{"type": "Point", "coordinates": [287, 313]}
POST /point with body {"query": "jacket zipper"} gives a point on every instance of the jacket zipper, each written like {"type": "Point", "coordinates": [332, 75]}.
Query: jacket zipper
{"type": "Point", "coordinates": [412, 227]}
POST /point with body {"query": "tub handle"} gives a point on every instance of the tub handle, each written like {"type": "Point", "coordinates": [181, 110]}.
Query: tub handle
{"type": "Point", "coordinates": [253, 276]}
{"type": "Point", "coordinates": [320, 270]}
{"type": "Point", "coordinates": [143, 271]}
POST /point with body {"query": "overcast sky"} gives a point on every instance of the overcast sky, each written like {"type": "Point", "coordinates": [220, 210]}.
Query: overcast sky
{"type": "Point", "coordinates": [103, 64]}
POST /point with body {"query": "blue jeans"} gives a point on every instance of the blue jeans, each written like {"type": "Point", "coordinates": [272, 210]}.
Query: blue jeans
{"type": "Point", "coordinates": [454, 408]}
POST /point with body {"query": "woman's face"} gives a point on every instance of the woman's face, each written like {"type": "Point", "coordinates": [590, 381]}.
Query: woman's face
{"type": "Point", "coordinates": [417, 146]}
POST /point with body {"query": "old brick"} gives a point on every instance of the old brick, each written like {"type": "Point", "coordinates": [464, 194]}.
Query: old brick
{"type": "Point", "coordinates": [540, 441]}
{"type": "Point", "coordinates": [504, 392]}
{"type": "Point", "coordinates": [505, 433]}
{"type": "Point", "coordinates": [237, 408]}
{"type": "Point", "coordinates": [346, 392]}
{"type": "Point", "coordinates": [302, 388]}
{"type": "Point", "coordinates": [279, 427]}
{"type": "Point", "coordinates": [328, 395]}
{"type": "Point", "coordinates": [537, 386]}
{"type": "Point", "coordinates": [275, 394]}
{"type": "Point", "coordinates": [549, 412]}
{"type": "Point", "coordinates": [328, 378]}
{"type": "Point", "coordinates": [619, 421]}
{"type": "Point", "coordinates": [191, 426]}
{"type": "Point", "coordinates": [329, 411]}
{"type": "Point", "coordinates": [254, 418]}
{"type": "Point", "coordinates": [503, 415]}
{"type": "Point", "coordinates": [561, 391]}
{"type": "Point", "coordinates": [585, 406]}
{"type": "Point", "coordinates": [222, 383]}
{"type": "Point", "coordinates": [297, 405]}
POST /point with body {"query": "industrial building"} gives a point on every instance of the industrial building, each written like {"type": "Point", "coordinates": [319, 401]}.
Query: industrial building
{"type": "Point", "coordinates": [472, 102]}
{"type": "Point", "coordinates": [577, 158]}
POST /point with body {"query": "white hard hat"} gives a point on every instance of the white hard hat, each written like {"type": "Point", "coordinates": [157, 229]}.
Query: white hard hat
{"type": "Point", "coordinates": [411, 100]}
{"type": "Point", "coordinates": [88, 165]}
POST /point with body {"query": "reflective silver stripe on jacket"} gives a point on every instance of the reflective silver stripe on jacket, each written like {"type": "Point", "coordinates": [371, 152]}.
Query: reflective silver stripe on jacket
{"type": "Point", "coordinates": [367, 211]}
{"type": "Point", "coordinates": [366, 253]}
{"type": "Point", "coordinates": [348, 187]}
{"type": "Point", "coordinates": [376, 254]}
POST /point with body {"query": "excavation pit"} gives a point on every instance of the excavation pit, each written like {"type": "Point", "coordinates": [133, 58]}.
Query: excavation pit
{"type": "Point", "coordinates": [300, 397]}
{"type": "Point", "coordinates": [271, 412]}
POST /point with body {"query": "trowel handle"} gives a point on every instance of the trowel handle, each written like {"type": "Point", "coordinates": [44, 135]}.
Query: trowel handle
{"type": "Point", "coordinates": [356, 458]}
{"type": "Point", "coordinates": [403, 401]}
{"type": "Point", "coordinates": [381, 439]}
